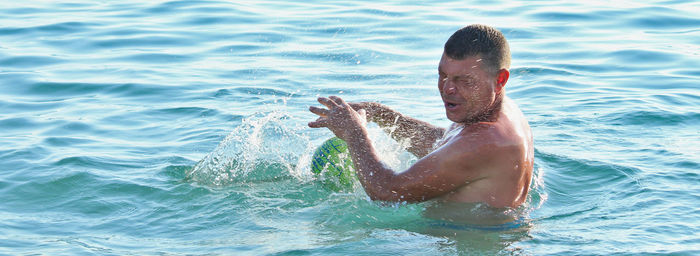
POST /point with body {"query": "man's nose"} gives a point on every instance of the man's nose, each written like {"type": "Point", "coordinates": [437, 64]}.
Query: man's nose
{"type": "Point", "coordinates": [449, 87]}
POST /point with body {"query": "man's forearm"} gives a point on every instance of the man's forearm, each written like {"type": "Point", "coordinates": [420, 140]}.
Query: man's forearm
{"type": "Point", "coordinates": [422, 135]}
{"type": "Point", "coordinates": [374, 176]}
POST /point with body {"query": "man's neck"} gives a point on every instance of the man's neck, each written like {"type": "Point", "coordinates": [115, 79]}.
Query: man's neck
{"type": "Point", "coordinates": [490, 115]}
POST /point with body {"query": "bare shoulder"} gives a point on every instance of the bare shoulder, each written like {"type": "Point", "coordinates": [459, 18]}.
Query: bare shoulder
{"type": "Point", "coordinates": [511, 126]}
{"type": "Point", "coordinates": [471, 147]}
{"type": "Point", "coordinates": [507, 136]}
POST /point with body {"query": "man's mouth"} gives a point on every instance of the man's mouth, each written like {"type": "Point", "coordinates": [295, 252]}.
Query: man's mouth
{"type": "Point", "coordinates": [450, 105]}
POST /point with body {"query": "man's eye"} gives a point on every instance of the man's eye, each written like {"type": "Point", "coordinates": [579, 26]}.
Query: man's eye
{"type": "Point", "coordinates": [466, 81]}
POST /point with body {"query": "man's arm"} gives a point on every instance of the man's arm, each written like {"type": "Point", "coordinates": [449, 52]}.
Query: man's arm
{"type": "Point", "coordinates": [421, 135]}
{"type": "Point", "coordinates": [441, 172]}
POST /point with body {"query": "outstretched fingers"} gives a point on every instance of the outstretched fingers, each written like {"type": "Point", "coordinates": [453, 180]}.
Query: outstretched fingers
{"type": "Point", "coordinates": [338, 100]}
{"type": "Point", "coordinates": [333, 103]}
{"type": "Point", "coordinates": [320, 122]}
{"type": "Point", "coordinates": [319, 111]}
{"type": "Point", "coordinates": [327, 102]}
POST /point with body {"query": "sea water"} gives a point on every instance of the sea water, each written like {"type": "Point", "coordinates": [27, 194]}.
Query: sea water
{"type": "Point", "coordinates": [179, 127]}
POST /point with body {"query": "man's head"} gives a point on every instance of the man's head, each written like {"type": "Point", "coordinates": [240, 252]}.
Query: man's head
{"type": "Point", "coordinates": [473, 71]}
{"type": "Point", "coordinates": [481, 41]}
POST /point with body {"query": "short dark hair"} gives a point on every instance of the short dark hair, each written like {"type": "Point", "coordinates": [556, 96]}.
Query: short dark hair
{"type": "Point", "coordinates": [484, 41]}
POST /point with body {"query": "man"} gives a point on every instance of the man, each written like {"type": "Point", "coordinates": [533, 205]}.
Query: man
{"type": "Point", "coordinates": [485, 156]}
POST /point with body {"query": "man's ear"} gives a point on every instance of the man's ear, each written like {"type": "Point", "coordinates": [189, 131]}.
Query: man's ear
{"type": "Point", "coordinates": [502, 79]}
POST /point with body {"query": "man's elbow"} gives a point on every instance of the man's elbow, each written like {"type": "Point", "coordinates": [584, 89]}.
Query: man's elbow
{"type": "Point", "coordinates": [394, 195]}
{"type": "Point", "coordinates": [379, 194]}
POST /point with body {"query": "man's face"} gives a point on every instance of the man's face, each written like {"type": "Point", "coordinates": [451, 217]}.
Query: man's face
{"type": "Point", "coordinates": [467, 90]}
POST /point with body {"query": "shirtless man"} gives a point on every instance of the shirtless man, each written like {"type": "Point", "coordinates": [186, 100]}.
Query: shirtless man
{"type": "Point", "coordinates": [485, 156]}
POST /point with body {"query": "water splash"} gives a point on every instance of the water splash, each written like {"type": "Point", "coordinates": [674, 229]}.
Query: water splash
{"type": "Point", "coordinates": [264, 147]}
{"type": "Point", "coordinates": [269, 146]}
{"type": "Point", "coordinates": [538, 193]}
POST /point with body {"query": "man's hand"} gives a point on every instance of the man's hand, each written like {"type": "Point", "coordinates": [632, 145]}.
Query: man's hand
{"type": "Point", "coordinates": [344, 121]}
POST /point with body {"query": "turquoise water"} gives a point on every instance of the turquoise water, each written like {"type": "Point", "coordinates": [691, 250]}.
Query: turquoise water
{"type": "Point", "coordinates": [179, 127]}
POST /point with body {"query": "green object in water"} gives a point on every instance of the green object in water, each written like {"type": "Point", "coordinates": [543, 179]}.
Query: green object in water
{"type": "Point", "coordinates": [332, 162]}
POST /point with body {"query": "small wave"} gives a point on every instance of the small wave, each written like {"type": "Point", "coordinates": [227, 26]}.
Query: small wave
{"type": "Point", "coordinates": [156, 58]}
{"type": "Point", "coordinates": [262, 37]}
{"type": "Point", "coordinates": [665, 21]}
{"type": "Point", "coordinates": [642, 57]}
{"type": "Point", "coordinates": [149, 41]}
{"type": "Point", "coordinates": [182, 112]}
{"type": "Point", "coordinates": [262, 91]}
{"type": "Point", "coordinates": [241, 49]}
{"type": "Point", "coordinates": [171, 7]}
{"type": "Point", "coordinates": [70, 128]}
{"type": "Point", "coordinates": [29, 61]}
{"type": "Point", "coordinates": [33, 194]}
{"type": "Point", "coordinates": [139, 90]}
{"type": "Point", "coordinates": [66, 141]}
{"type": "Point", "coordinates": [592, 181]}
{"type": "Point", "coordinates": [95, 162]}
{"type": "Point", "coordinates": [62, 29]}
{"type": "Point", "coordinates": [651, 118]}
{"type": "Point", "coordinates": [541, 71]}
{"type": "Point", "coordinates": [64, 89]}
{"type": "Point", "coordinates": [17, 123]}
{"type": "Point", "coordinates": [566, 16]}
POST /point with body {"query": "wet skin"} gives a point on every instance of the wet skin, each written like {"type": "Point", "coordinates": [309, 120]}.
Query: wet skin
{"type": "Point", "coordinates": [486, 155]}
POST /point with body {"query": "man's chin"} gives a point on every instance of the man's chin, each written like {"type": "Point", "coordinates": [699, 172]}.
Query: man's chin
{"type": "Point", "coordinates": [458, 119]}
{"type": "Point", "coordinates": [452, 117]}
